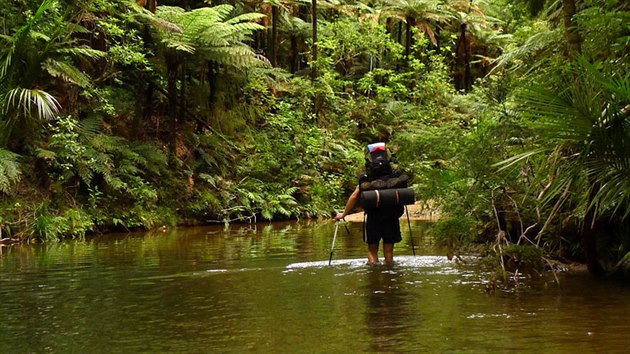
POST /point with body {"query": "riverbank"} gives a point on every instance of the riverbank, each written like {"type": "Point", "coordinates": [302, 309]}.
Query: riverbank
{"type": "Point", "coordinates": [419, 211]}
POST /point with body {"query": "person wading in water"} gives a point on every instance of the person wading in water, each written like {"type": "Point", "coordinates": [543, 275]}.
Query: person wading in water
{"type": "Point", "coordinates": [382, 215]}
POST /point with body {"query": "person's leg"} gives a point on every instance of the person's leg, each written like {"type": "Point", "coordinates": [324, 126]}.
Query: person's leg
{"type": "Point", "coordinates": [388, 252]}
{"type": "Point", "coordinates": [372, 253]}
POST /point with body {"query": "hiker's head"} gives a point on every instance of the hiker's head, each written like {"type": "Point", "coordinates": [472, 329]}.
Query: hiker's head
{"type": "Point", "coordinates": [377, 164]}
{"type": "Point", "coordinates": [377, 152]}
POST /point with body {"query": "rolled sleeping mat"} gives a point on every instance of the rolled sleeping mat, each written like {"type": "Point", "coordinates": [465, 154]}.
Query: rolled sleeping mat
{"type": "Point", "coordinates": [387, 197]}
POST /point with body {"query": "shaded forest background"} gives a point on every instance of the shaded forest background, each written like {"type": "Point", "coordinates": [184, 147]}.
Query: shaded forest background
{"type": "Point", "coordinates": [513, 117]}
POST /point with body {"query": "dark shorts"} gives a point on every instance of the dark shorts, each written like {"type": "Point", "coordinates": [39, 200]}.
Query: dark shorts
{"type": "Point", "coordinates": [383, 223]}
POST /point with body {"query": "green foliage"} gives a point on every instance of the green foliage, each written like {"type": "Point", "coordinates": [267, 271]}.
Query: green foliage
{"type": "Point", "coordinates": [455, 234]}
{"type": "Point", "coordinates": [39, 53]}
{"type": "Point", "coordinates": [209, 32]}
{"type": "Point", "coordinates": [516, 259]}
{"type": "Point", "coordinates": [350, 47]}
{"type": "Point", "coordinates": [248, 140]}
{"type": "Point", "coordinates": [9, 170]}
{"type": "Point", "coordinates": [584, 131]}
{"type": "Point", "coordinates": [47, 226]}
{"type": "Point", "coordinates": [50, 226]}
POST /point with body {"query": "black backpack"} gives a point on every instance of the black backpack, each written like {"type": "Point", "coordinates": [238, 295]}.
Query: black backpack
{"type": "Point", "coordinates": [379, 173]}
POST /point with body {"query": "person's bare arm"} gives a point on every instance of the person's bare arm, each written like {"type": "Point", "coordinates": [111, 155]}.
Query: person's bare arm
{"type": "Point", "coordinates": [350, 204]}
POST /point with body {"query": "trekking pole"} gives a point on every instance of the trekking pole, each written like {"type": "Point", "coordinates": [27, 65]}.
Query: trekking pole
{"type": "Point", "coordinates": [346, 226]}
{"type": "Point", "coordinates": [332, 247]}
{"type": "Point", "coordinates": [413, 248]}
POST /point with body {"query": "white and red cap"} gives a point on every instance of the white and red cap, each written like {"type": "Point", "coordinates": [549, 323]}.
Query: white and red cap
{"type": "Point", "coordinates": [377, 151]}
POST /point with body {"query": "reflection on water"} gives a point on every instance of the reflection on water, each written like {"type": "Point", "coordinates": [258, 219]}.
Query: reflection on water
{"type": "Point", "coordinates": [387, 309]}
{"type": "Point", "coordinates": [268, 288]}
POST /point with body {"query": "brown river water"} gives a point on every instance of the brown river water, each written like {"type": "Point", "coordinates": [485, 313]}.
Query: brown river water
{"type": "Point", "coordinates": [268, 288]}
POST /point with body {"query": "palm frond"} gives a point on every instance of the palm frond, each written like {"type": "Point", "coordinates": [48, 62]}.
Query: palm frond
{"type": "Point", "coordinates": [517, 159]}
{"type": "Point", "coordinates": [25, 100]}
{"type": "Point", "coordinates": [6, 55]}
{"type": "Point", "coordinates": [587, 132]}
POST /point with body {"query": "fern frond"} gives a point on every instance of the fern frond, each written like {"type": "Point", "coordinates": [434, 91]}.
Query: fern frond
{"type": "Point", "coordinates": [66, 72]}
{"type": "Point", "coordinates": [39, 35]}
{"type": "Point", "coordinates": [154, 159]}
{"type": "Point", "coordinates": [91, 126]}
{"type": "Point", "coordinates": [9, 170]}
{"type": "Point", "coordinates": [179, 45]}
{"type": "Point", "coordinates": [45, 154]}
{"type": "Point", "coordinates": [77, 28]}
{"type": "Point", "coordinates": [248, 17]}
{"type": "Point", "coordinates": [83, 52]}
{"type": "Point", "coordinates": [238, 56]}
{"type": "Point", "coordinates": [158, 23]}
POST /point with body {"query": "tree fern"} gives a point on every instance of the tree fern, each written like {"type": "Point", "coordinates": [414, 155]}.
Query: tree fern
{"type": "Point", "coordinates": [9, 170]}
{"type": "Point", "coordinates": [210, 34]}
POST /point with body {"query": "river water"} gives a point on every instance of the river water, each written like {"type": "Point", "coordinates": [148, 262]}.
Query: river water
{"type": "Point", "coordinates": [267, 288]}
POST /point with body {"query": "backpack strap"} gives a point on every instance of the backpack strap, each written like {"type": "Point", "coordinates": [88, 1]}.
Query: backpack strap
{"type": "Point", "coordinates": [364, 225]}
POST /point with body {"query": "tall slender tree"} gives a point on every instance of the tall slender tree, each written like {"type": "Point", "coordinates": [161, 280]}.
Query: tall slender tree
{"type": "Point", "coordinates": [421, 14]}
{"type": "Point", "coordinates": [208, 35]}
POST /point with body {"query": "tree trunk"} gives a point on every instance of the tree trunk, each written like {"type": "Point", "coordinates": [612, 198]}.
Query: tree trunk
{"type": "Point", "coordinates": [172, 66]}
{"type": "Point", "coordinates": [314, 50]}
{"type": "Point", "coordinates": [589, 239]}
{"type": "Point", "coordinates": [211, 76]}
{"type": "Point", "coordinates": [182, 97]}
{"type": "Point", "coordinates": [144, 109]}
{"type": "Point", "coordinates": [294, 54]}
{"type": "Point", "coordinates": [438, 33]}
{"type": "Point", "coordinates": [574, 41]}
{"type": "Point", "coordinates": [466, 53]}
{"type": "Point", "coordinates": [273, 47]}
{"type": "Point", "coordinates": [408, 40]}
{"type": "Point", "coordinates": [399, 41]}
